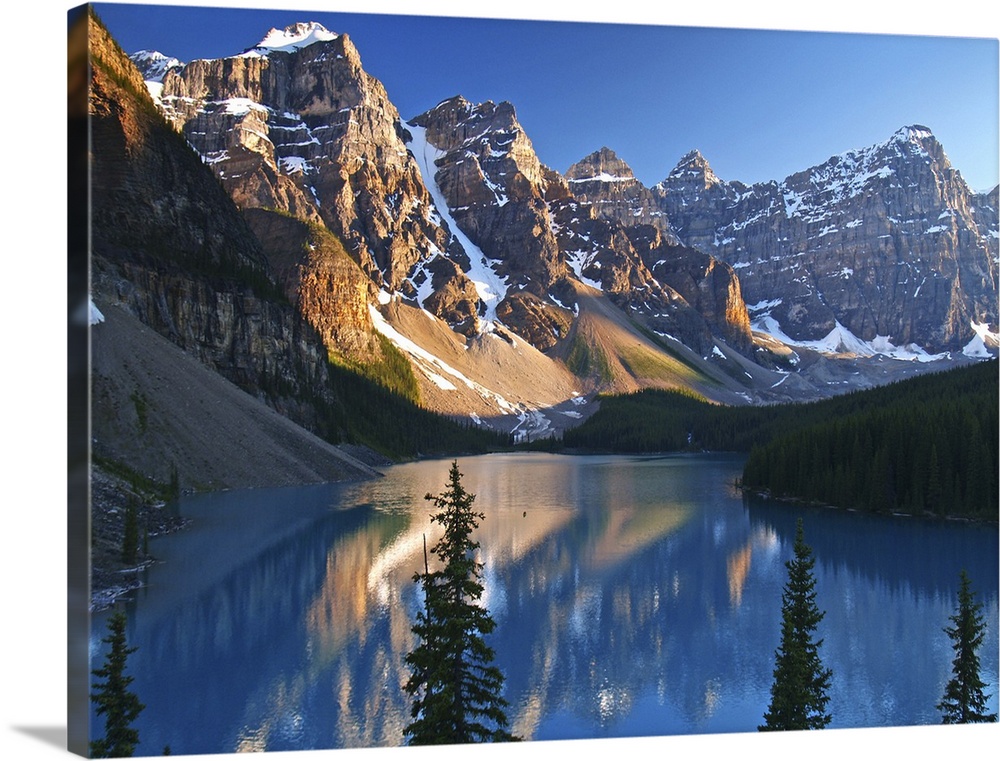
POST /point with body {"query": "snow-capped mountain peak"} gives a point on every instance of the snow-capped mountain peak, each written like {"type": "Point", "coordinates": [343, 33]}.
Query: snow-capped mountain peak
{"type": "Point", "coordinates": [694, 166]}
{"type": "Point", "coordinates": [894, 243]}
{"type": "Point", "coordinates": [913, 133]}
{"type": "Point", "coordinates": [153, 64]}
{"type": "Point", "coordinates": [602, 166]}
{"type": "Point", "coordinates": [911, 140]}
{"type": "Point", "coordinates": [292, 38]}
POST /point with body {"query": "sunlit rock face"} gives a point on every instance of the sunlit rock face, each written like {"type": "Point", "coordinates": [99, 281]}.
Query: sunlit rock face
{"type": "Point", "coordinates": [452, 210]}
{"type": "Point", "coordinates": [708, 284]}
{"type": "Point", "coordinates": [491, 183]}
{"type": "Point", "coordinates": [614, 234]}
{"type": "Point", "coordinates": [886, 241]}
{"type": "Point", "coordinates": [170, 248]}
{"type": "Point", "coordinates": [605, 183]}
{"type": "Point", "coordinates": [296, 124]}
{"type": "Point", "coordinates": [322, 282]}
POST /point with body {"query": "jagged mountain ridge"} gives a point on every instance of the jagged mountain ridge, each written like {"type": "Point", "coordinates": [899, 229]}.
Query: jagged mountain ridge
{"type": "Point", "coordinates": [453, 212]}
{"type": "Point", "coordinates": [171, 253]}
{"type": "Point", "coordinates": [306, 130]}
{"type": "Point", "coordinates": [524, 225]}
{"type": "Point", "coordinates": [491, 248]}
{"type": "Point", "coordinates": [887, 241]}
{"type": "Point", "coordinates": [604, 181]}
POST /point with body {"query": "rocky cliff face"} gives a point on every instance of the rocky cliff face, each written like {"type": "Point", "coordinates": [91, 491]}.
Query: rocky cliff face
{"type": "Point", "coordinates": [885, 242]}
{"type": "Point", "coordinates": [326, 287]}
{"type": "Point", "coordinates": [296, 124]}
{"type": "Point", "coordinates": [487, 179]}
{"type": "Point", "coordinates": [605, 183]}
{"type": "Point", "coordinates": [615, 235]}
{"type": "Point", "coordinates": [985, 208]}
{"type": "Point", "coordinates": [452, 211]}
{"type": "Point", "coordinates": [493, 185]}
{"type": "Point", "coordinates": [170, 247]}
{"type": "Point", "coordinates": [709, 285]}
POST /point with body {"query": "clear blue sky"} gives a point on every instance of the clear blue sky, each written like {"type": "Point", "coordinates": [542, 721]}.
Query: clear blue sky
{"type": "Point", "coordinates": [758, 104]}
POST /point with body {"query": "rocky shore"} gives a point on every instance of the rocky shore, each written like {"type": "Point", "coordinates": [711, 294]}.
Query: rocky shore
{"type": "Point", "coordinates": [110, 577]}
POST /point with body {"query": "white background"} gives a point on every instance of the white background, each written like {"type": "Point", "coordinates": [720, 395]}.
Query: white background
{"type": "Point", "coordinates": [32, 678]}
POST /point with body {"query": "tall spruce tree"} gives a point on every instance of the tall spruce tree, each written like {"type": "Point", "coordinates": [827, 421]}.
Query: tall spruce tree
{"type": "Point", "coordinates": [456, 691]}
{"type": "Point", "coordinates": [799, 692]}
{"type": "Point", "coordinates": [114, 700]}
{"type": "Point", "coordinates": [964, 700]}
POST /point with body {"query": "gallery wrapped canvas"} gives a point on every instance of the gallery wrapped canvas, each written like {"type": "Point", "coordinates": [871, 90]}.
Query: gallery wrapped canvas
{"type": "Point", "coordinates": [446, 380]}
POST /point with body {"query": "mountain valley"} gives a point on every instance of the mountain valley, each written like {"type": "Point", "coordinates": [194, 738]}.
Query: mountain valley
{"type": "Point", "coordinates": [312, 227]}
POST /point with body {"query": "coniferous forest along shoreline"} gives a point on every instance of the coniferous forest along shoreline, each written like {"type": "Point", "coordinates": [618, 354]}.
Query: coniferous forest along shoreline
{"type": "Point", "coordinates": [926, 445]}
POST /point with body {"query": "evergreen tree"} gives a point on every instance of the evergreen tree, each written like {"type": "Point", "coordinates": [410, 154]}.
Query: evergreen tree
{"type": "Point", "coordinates": [964, 701]}
{"type": "Point", "coordinates": [934, 488]}
{"type": "Point", "coordinates": [115, 702]}
{"type": "Point", "coordinates": [456, 690]}
{"type": "Point", "coordinates": [799, 692]}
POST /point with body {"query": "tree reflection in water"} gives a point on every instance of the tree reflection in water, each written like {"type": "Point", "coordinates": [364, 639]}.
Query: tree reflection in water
{"type": "Point", "coordinates": [633, 596]}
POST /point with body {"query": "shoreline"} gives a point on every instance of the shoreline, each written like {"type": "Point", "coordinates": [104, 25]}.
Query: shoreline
{"type": "Point", "coordinates": [110, 580]}
{"type": "Point", "coordinates": [110, 577]}
{"type": "Point", "coordinates": [926, 515]}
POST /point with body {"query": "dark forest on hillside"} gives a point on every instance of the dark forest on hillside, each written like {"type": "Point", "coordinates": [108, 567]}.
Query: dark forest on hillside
{"type": "Point", "coordinates": [924, 444]}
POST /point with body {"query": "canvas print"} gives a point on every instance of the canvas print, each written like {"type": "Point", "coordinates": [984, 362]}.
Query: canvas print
{"type": "Point", "coordinates": [439, 381]}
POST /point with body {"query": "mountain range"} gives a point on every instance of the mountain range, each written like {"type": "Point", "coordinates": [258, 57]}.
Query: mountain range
{"type": "Point", "coordinates": [273, 215]}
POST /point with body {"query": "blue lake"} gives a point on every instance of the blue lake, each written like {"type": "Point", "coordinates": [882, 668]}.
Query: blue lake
{"type": "Point", "coordinates": [632, 596]}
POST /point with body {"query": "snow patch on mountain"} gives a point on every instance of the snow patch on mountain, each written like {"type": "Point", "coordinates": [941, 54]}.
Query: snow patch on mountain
{"type": "Point", "coordinates": [239, 106]}
{"type": "Point", "coordinates": [295, 165]}
{"type": "Point", "coordinates": [153, 64]}
{"type": "Point", "coordinates": [490, 286]}
{"type": "Point", "coordinates": [762, 306]}
{"type": "Point", "coordinates": [430, 365]}
{"type": "Point", "coordinates": [290, 39]}
{"type": "Point", "coordinates": [422, 278]}
{"type": "Point", "coordinates": [579, 260]}
{"type": "Point", "coordinates": [843, 177]}
{"type": "Point", "coordinates": [95, 315]}
{"type": "Point", "coordinates": [498, 191]}
{"type": "Point", "coordinates": [602, 177]}
{"type": "Point", "coordinates": [984, 338]}
{"type": "Point", "coordinates": [849, 174]}
{"type": "Point", "coordinates": [840, 340]}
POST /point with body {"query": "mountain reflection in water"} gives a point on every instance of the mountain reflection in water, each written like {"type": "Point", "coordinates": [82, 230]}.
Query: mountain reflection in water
{"type": "Point", "coordinates": [633, 596]}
